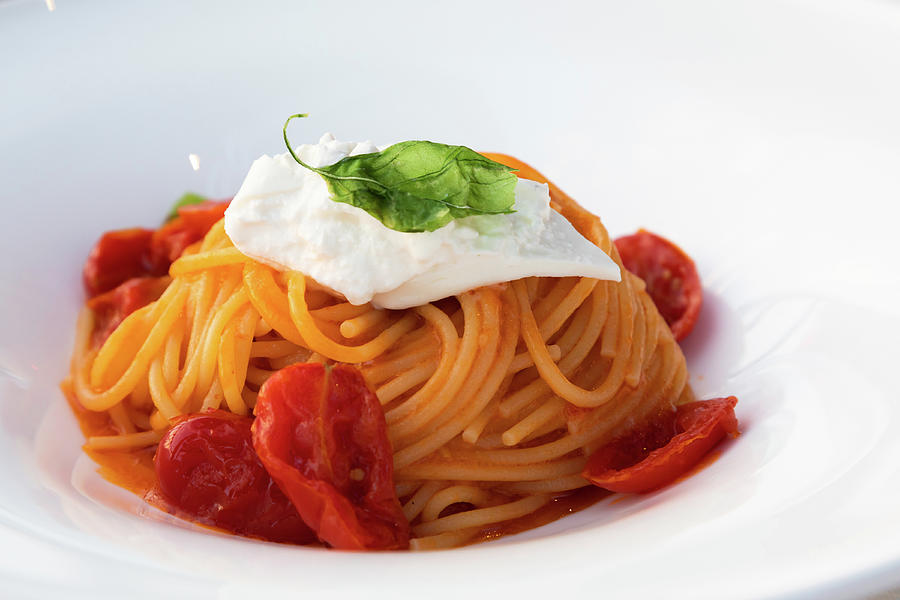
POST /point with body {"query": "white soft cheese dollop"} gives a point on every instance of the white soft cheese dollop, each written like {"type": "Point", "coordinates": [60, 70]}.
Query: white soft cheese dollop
{"type": "Point", "coordinates": [283, 216]}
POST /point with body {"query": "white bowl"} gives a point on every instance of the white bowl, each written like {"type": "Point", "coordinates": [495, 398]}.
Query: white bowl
{"type": "Point", "coordinates": [763, 137]}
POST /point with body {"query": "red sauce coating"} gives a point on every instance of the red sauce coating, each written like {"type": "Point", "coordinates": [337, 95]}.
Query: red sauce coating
{"type": "Point", "coordinates": [560, 506]}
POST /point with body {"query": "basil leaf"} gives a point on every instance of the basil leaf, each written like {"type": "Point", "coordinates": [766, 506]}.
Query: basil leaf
{"type": "Point", "coordinates": [418, 185]}
{"type": "Point", "coordinates": [187, 199]}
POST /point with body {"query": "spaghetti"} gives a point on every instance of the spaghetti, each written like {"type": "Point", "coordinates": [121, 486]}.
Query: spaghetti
{"type": "Point", "coordinates": [493, 399]}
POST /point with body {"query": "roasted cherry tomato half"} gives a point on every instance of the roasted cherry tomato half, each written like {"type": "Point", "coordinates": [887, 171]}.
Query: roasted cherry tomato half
{"type": "Point", "coordinates": [111, 308]}
{"type": "Point", "coordinates": [671, 278]}
{"type": "Point", "coordinates": [192, 223]}
{"type": "Point", "coordinates": [320, 431]}
{"type": "Point", "coordinates": [208, 471]}
{"type": "Point", "coordinates": [663, 450]}
{"type": "Point", "coordinates": [116, 257]}
{"type": "Point", "coordinates": [127, 253]}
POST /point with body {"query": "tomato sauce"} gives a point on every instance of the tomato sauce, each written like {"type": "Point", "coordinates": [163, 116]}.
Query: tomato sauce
{"type": "Point", "coordinates": [557, 508]}
{"type": "Point", "coordinates": [130, 469]}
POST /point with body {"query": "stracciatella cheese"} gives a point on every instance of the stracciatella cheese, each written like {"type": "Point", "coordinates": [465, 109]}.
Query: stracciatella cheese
{"type": "Point", "coordinates": [284, 216]}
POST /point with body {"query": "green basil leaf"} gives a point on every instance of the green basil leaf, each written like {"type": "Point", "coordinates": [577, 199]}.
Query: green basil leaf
{"type": "Point", "coordinates": [418, 185]}
{"type": "Point", "coordinates": [187, 199]}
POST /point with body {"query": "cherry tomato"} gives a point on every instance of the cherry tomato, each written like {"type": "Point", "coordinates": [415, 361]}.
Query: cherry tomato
{"type": "Point", "coordinates": [126, 253]}
{"type": "Point", "coordinates": [208, 472]}
{"type": "Point", "coordinates": [111, 308]}
{"type": "Point", "coordinates": [665, 449]}
{"type": "Point", "coordinates": [115, 258]}
{"type": "Point", "coordinates": [191, 224]}
{"type": "Point", "coordinates": [670, 275]}
{"type": "Point", "coordinates": [321, 434]}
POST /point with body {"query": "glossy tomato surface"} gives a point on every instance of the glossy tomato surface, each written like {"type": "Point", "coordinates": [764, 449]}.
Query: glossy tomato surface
{"type": "Point", "coordinates": [664, 449]}
{"type": "Point", "coordinates": [136, 252]}
{"type": "Point", "coordinates": [321, 433]}
{"type": "Point", "coordinates": [208, 471]}
{"type": "Point", "coordinates": [111, 308]}
{"type": "Point", "coordinates": [671, 278]}
{"type": "Point", "coordinates": [116, 257]}
{"type": "Point", "coordinates": [192, 223]}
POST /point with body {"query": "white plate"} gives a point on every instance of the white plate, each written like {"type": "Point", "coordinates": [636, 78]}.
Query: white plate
{"type": "Point", "coordinates": [763, 137]}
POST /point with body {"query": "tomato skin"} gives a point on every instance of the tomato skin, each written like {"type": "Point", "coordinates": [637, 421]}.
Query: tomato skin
{"type": "Point", "coordinates": [111, 308]}
{"type": "Point", "coordinates": [208, 471]}
{"type": "Point", "coordinates": [320, 432]}
{"type": "Point", "coordinates": [671, 278]}
{"type": "Point", "coordinates": [665, 449]}
{"type": "Point", "coordinates": [115, 258]}
{"type": "Point", "coordinates": [127, 253]}
{"type": "Point", "coordinates": [191, 224]}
